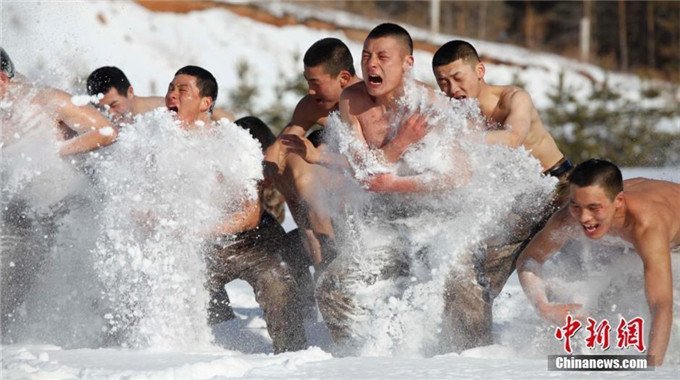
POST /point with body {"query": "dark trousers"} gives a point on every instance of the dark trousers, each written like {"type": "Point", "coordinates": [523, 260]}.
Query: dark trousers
{"type": "Point", "coordinates": [254, 257]}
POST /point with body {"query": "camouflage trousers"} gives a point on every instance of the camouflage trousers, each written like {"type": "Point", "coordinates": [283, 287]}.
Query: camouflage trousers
{"type": "Point", "coordinates": [254, 256]}
{"type": "Point", "coordinates": [472, 286]}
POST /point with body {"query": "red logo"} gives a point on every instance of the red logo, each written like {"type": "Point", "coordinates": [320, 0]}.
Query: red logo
{"type": "Point", "coordinates": [630, 334]}
{"type": "Point", "coordinates": [598, 334]}
{"type": "Point", "coordinates": [567, 331]}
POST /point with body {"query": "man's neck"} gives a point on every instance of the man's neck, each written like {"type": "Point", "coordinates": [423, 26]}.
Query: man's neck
{"type": "Point", "coordinates": [487, 99]}
{"type": "Point", "coordinates": [621, 221]}
{"type": "Point", "coordinates": [389, 100]}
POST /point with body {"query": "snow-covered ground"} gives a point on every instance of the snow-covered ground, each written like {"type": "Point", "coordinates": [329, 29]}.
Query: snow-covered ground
{"type": "Point", "coordinates": [59, 43]}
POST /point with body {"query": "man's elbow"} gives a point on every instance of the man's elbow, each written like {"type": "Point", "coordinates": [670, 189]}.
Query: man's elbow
{"type": "Point", "coordinates": [107, 135]}
{"type": "Point", "coordinates": [514, 140]}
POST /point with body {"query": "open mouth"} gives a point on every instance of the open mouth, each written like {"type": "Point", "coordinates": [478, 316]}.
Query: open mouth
{"type": "Point", "coordinates": [173, 108]}
{"type": "Point", "coordinates": [374, 79]}
{"type": "Point", "coordinates": [459, 96]}
{"type": "Point", "coordinates": [590, 228]}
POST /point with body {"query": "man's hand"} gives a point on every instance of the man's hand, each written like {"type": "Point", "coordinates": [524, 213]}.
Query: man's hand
{"type": "Point", "coordinates": [557, 312]}
{"type": "Point", "coordinates": [380, 183]}
{"type": "Point", "coordinates": [411, 131]}
{"type": "Point", "coordinates": [302, 147]}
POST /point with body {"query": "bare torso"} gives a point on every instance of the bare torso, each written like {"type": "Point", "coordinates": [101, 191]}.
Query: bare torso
{"type": "Point", "coordinates": [651, 203]}
{"type": "Point", "coordinates": [371, 116]}
{"type": "Point", "coordinates": [497, 108]}
{"type": "Point", "coordinates": [28, 110]}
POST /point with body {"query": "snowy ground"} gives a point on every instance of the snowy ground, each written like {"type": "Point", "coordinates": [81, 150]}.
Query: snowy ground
{"type": "Point", "coordinates": [58, 43]}
{"type": "Point", "coordinates": [245, 349]}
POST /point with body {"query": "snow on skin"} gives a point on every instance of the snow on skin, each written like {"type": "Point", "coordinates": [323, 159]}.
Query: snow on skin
{"type": "Point", "coordinates": [164, 189]}
{"type": "Point", "coordinates": [402, 316]}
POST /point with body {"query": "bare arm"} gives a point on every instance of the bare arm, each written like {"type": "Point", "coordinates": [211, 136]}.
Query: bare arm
{"type": "Point", "coordinates": [428, 182]}
{"type": "Point", "coordinates": [221, 113]}
{"type": "Point", "coordinates": [652, 246]}
{"type": "Point", "coordinates": [94, 131]}
{"type": "Point", "coordinates": [301, 121]}
{"type": "Point", "coordinates": [545, 244]}
{"type": "Point", "coordinates": [412, 130]}
{"type": "Point", "coordinates": [517, 124]}
{"type": "Point", "coordinates": [246, 219]}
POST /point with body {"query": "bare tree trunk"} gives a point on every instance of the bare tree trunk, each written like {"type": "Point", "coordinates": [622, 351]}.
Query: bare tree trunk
{"type": "Point", "coordinates": [651, 48]}
{"type": "Point", "coordinates": [435, 12]}
{"type": "Point", "coordinates": [481, 25]}
{"type": "Point", "coordinates": [529, 25]}
{"type": "Point", "coordinates": [623, 36]}
{"type": "Point", "coordinates": [461, 20]}
{"type": "Point", "coordinates": [586, 30]}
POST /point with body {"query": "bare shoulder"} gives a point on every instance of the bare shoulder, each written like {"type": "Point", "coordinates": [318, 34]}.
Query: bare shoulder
{"type": "Point", "coordinates": [355, 99]}
{"type": "Point", "coordinates": [562, 218]}
{"type": "Point", "coordinates": [514, 95]}
{"type": "Point", "coordinates": [355, 91]}
{"type": "Point", "coordinates": [654, 205]}
{"type": "Point", "coordinates": [144, 104]}
{"type": "Point", "coordinates": [307, 113]}
{"type": "Point", "coordinates": [53, 96]}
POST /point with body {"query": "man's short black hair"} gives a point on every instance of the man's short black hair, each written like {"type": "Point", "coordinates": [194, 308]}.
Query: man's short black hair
{"type": "Point", "coordinates": [597, 172]}
{"type": "Point", "coordinates": [392, 30]}
{"type": "Point", "coordinates": [6, 65]}
{"type": "Point", "coordinates": [332, 53]}
{"type": "Point", "coordinates": [205, 81]}
{"type": "Point", "coordinates": [104, 78]}
{"type": "Point", "coordinates": [453, 51]}
{"type": "Point", "coordinates": [258, 129]}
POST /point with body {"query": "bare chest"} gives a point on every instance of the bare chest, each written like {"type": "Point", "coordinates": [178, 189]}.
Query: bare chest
{"type": "Point", "coordinates": [375, 127]}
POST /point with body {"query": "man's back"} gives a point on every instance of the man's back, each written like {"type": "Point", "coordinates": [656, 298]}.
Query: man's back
{"type": "Point", "coordinates": [653, 203]}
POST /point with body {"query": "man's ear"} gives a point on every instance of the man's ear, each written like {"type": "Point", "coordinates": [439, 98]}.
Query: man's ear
{"type": "Point", "coordinates": [619, 199]}
{"type": "Point", "coordinates": [206, 103]}
{"type": "Point", "coordinates": [408, 62]}
{"type": "Point", "coordinates": [344, 77]}
{"type": "Point", "coordinates": [4, 82]}
{"type": "Point", "coordinates": [480, 70]}
{"type": "Point", "coordinates": [130, 92]}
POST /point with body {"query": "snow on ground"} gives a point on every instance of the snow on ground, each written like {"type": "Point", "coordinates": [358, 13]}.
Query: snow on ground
{"type": "Point", "coordinates": [59, 43]}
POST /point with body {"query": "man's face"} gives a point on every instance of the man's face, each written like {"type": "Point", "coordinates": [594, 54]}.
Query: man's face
{"type": "Point", "coordinates": [591, 207]}
{"type": "Point", "coordinates": [460, 79]}
{"type": "Point", "coordinates": [4, 83]}
{"type": "Point", "coordinates": [324, 89]}
{"type": "Point", "coordinates": [184, 98]}
{"type": "Point", "coordinates": [116, 104]}
{"type": "Point", "coordinates": [384, 61]}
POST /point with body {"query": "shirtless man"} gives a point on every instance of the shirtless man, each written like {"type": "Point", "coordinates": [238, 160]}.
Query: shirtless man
{"type": "Point", "coordinates": [513, 121]}
{"type": "Point", "coordinates": [81, 128]}
{"type": "Point", "coordinates": [253, 254]}
{"type": "Point", "coordinates": [328, 69]}
{"type": "Point", "coordinates": [460, 74]}
{"type": "Point", "coordinates": [365, 106]}
{"type": "Point", "coordinates": [119, 99]}
{"type": "Point", "coordinates": [640, 211]}
{"type": "Point", "coordinates": [28, 110]}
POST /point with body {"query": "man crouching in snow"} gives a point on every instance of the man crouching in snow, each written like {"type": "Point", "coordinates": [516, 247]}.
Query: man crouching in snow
{"type": "Point", "coordinates": [641, 212]}
{"type": "Point", "coordinates": [252, 255]}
